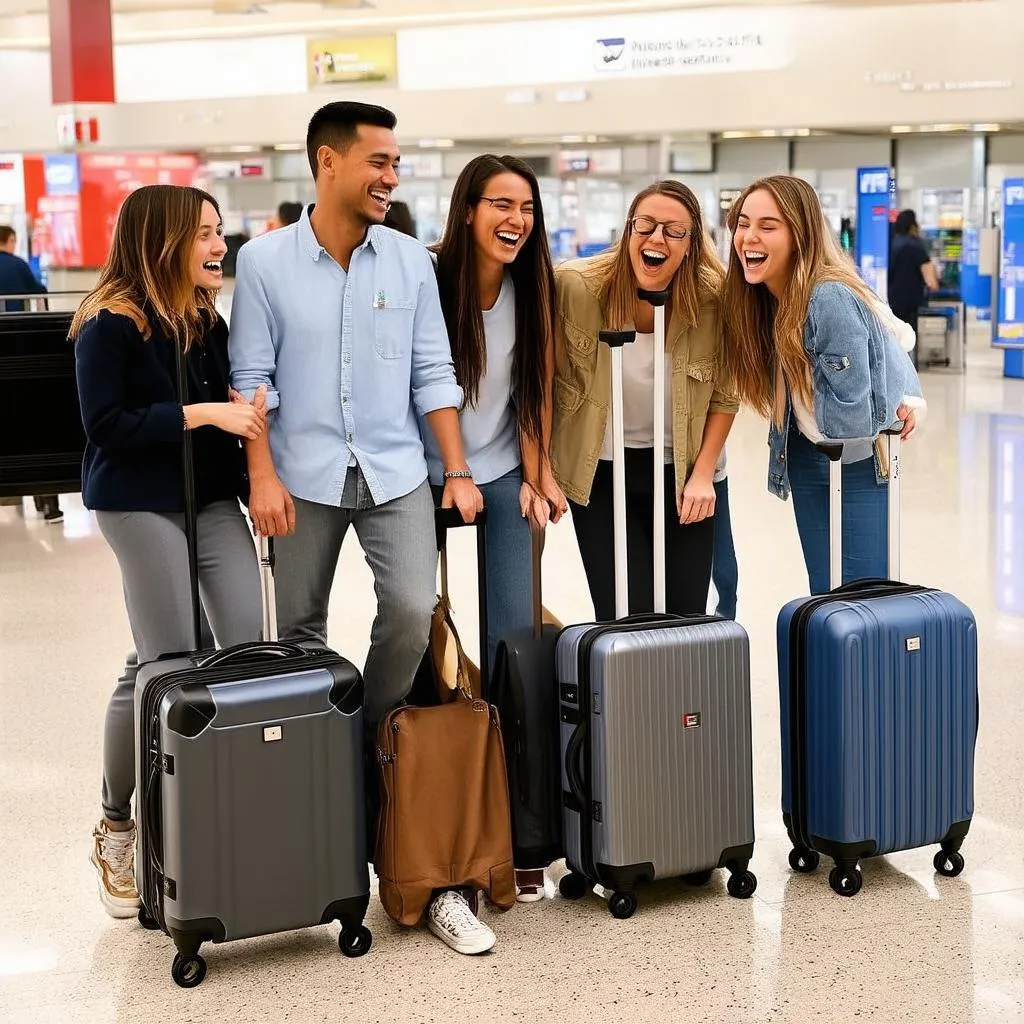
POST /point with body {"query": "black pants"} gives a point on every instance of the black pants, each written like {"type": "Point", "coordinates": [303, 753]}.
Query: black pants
{"type": "Point", "coordinates": [909, 318]}
{"type": "Point", "coordinates": [688, 549]}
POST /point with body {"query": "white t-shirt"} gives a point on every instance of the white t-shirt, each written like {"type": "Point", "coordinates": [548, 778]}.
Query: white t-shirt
{"type": "Point", "coordinates": [638, 398]}
{"type": "Point", "coordinates": [489, 428]}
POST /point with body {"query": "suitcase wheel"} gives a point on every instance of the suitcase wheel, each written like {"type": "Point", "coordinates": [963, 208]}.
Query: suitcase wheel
{"type": "Point", "coordinates": [147, 922]}
{"type": "Point", "coordinates": [949, 864]}
{"type": "Point", "coordinates": [699, 878]}
{"type": "Point", "coordinates": [845, 881]}
{"type": "Point", "coordinates": [355, 941]}
{"type": "Point", "coordinates": [572, 886]}
{"type": "Point", "coordinates": [804, 861]}
{"type": "Point", "coordinates": [188, 971]}
{"type": "Point", "coordinates": [742, 884]}
{"type": "Point", "coordinates": [622, 905]}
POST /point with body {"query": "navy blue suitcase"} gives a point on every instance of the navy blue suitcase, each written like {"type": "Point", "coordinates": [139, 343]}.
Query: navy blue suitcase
{"type": "Point", "coordinates": [878, 685]}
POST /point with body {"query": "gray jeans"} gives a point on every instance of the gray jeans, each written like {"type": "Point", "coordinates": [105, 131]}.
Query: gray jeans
{"type": "Point", "coordinates": [399, 543]}
{"type": "Point", "coordinates": [150, 549]}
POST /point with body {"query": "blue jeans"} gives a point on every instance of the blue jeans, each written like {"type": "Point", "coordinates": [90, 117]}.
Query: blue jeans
{"type": "Point", "coordinates": [724, 570]}
{"type": "Point", "coordinates": [509, 560]}
{"type": "Point", "coordinates": [865, 515]}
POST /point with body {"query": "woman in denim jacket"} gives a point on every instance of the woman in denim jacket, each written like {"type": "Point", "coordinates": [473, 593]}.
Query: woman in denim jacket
{"type": "Point", "coordinates": [807, 348]}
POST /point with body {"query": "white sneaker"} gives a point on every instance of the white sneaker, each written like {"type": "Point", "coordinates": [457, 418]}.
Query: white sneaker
{"type": "Point", "coordinates": [451, 920]}
{"type": "Point", "coordinates": [113, 857]}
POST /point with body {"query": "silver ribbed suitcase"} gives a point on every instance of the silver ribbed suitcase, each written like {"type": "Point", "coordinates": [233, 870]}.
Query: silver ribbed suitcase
{"type": "Point", "coordinates": [655, 723]}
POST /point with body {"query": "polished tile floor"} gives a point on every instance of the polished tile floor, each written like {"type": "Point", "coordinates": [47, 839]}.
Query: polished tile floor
{"type": "Point", "coordinates": [912, 947]}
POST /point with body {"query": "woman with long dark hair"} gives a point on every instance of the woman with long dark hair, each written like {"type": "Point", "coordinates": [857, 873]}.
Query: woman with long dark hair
{"type": "Point", "coordinates": [497, 293]}
{"type": "Point", "coordinates": [156, 294]}
{"type": "Point", "coordinates": [663, 247]}
{"type": "Point", "coordinates": [811, 348]}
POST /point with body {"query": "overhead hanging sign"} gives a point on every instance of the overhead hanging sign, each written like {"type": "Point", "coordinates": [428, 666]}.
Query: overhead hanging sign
{"type": "Point", "coordinates": [351, 59]}
{"type": "Point", "coordinates": [592, 49]}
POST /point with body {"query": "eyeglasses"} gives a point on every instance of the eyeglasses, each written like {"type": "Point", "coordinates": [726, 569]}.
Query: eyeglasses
{"type": "Point", "coordinates": [507, 206]}
{"type": "Point", "coordinates": [648, 225]}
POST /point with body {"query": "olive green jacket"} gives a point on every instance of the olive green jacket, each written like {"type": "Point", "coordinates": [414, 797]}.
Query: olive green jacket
{"type": "Point", "coordinates": [582, 387]}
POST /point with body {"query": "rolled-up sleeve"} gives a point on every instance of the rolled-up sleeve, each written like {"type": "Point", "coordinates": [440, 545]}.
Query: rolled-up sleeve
{"type": "Point", "coordinates": [101, 362]}
{"type": "Point", "coordinates": [434, 385]}
{"type": "Point", "coordinates": [252, 349]}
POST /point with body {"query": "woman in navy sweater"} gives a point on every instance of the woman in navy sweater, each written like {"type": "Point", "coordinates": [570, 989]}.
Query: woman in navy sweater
{"type": "Point", "coordinates": [157, 292]}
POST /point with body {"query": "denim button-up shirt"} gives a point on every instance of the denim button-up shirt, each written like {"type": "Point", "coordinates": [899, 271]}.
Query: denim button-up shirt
{"type": "Point", "coordinates": [860, 375]}
{"type": "Point", "coordinates": [349, 359]}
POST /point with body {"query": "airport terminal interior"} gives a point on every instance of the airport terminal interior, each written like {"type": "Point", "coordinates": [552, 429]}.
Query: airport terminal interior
{"type": "Point", "coordinates": [882, 106]}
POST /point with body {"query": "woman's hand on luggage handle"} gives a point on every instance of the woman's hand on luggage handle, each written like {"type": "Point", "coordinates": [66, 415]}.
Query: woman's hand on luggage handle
{"type": "Point", "coordinates": [554, 496]}
{"type": "Point", "coordinates": [909, 419]}
{"type": "Point", "coordinates": [463, 494]}
{"type": "Point", "coordinates": [697, 502]}
{"type": "Point", "coordinates": [271, 508]}
{"type": "Point", "coordinates": [534, 506]}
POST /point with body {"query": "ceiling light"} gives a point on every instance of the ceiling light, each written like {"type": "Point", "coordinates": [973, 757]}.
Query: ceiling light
{"type": "Point", "coordinates": [901, 129]}
{"type": "Point", "coordinates": [289, 147]}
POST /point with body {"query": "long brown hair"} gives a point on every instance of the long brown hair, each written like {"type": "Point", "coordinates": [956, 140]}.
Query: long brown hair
{"type": "Point", "coordinates": [534, 281]}
{"type": "Point", "coordinates": [147, 275]}
{"type": "Point", "coordinates": [762, 332]}
{"type": "Point", "coordinates": [697, 281]}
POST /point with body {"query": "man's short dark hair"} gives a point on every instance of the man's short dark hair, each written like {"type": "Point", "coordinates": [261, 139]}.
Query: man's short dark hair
{"type": "Point", "coordinates": [289, 213]}
{"type": "Point", "coordinates": [906, 222]}
{"type": "Point", "coordinates": [337, 125]}
{"type": "Point", "coordinates": [7, 233]}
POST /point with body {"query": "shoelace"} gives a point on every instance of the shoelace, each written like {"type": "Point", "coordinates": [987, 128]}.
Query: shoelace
{"type": "Point", "coordinates": [454, 914]}
{"type": "Point", "coordinates": [117, 853]}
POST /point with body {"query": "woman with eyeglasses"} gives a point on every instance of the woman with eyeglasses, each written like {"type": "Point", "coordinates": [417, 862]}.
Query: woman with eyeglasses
{"type": "Point", "coordinates": [663, 247]}
{"type": "Point", "coordinates": [497, 293]}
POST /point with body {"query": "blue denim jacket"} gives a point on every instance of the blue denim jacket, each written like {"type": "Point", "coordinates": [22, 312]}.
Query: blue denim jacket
{"type": "Point", "coordinates": [860, 375]}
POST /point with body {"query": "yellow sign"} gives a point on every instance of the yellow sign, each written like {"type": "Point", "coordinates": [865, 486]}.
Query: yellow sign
{"type": "Point", "coordinates": [352, 59]}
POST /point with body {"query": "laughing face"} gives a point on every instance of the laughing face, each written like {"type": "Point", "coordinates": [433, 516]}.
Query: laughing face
{"type": "Point", "coordinates": [208, 250]}
{"type": "Point", "coordinates": [362, 177]}
{"type": "Point", "coordinates": [764, 242]}
{"type": "Point", "coordinates": [659, 240]}
{"type": "Point", "coordinates": [503, 218]}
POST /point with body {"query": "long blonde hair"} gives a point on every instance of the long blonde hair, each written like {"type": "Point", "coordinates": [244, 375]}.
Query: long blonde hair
{"type": "Point", "coordinates": [697, 281]}
{"type": "Point", "coordinates": [147, 275]}
{"type": "Point", "coordinates": [762, 332]}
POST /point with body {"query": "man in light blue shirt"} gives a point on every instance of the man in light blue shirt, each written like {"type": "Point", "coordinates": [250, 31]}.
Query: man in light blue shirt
{"type": "Point", "coordinates": [339, 318]}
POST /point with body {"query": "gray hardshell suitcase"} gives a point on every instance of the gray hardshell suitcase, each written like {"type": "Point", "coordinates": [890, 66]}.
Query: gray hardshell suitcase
{"type": "Point", "coordinates": [655, 721]}
{"type": "Point", "coordinates": [249, 788]}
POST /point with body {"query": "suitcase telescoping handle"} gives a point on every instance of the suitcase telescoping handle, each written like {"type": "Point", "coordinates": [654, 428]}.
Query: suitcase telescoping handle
{"type": "Point", "coordinates": [834, 451]}
{"type": "Point", "coordinates": [188, 483]}
{"type": "Point", "coordinates": [446, 519]}
{"type": "Point", "coordinates": [266, 544]}
{"type": "Point", "coordinates": [615, 340]}
{"type": "Point", "coordinates": [659, 300]}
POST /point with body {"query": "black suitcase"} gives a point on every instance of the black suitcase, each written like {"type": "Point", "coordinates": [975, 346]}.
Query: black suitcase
{"type": "Point", "coordinates": [525, 690]}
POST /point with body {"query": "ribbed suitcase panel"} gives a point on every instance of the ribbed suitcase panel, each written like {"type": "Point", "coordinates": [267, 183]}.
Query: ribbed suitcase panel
{"type": "Point", "coordinates": [672, 796]}
{"type": "Point", "coordinates": [891, 719]}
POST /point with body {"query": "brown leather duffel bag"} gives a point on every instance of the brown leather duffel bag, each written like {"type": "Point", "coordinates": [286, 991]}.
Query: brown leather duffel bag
{"type": "Point", "coordinates": [444, 818]}
{"type": "Point", "coordinates": [444, 813]}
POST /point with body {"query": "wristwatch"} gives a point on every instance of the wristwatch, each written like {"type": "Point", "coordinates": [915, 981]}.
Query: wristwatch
{"type": "Point", "coordinates": [458, 474]}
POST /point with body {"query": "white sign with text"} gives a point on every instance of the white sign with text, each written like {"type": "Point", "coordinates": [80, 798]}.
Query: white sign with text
{"type": "Point", "coordinates": [591, 49]}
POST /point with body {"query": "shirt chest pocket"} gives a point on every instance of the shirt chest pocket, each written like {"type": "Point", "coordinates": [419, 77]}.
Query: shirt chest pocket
{"type": "Point", "coordinates": [392, 329]}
